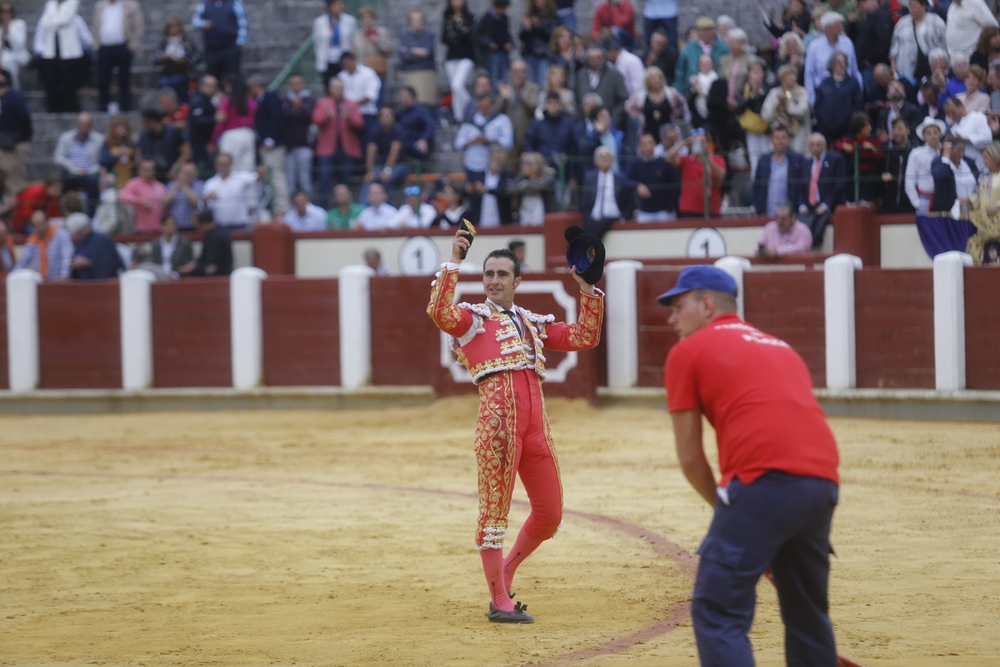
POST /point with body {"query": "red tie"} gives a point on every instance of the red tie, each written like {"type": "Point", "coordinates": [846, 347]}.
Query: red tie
{"type": "Point", "coordinates": [814, 185]}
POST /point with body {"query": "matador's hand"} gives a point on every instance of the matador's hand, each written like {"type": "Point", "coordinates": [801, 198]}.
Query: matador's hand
{"type": "Point", "coordinates": [585, 287]}
{"type": "Point", "coordinates": [459, 246]}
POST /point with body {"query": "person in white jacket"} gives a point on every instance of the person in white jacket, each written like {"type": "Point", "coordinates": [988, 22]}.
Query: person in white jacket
{"type": "Point", "coordinates": [61, 51]}
{"type": "Point", "coordinates": [333, 34]}
{"type": "Point", "coordinates": [14, 40]}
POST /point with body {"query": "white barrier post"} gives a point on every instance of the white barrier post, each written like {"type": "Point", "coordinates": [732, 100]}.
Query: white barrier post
{"type": "Point", "coordinates": [354, 289]}
{"type": "Point", "coordinates": [736, 267]}
{"type": "Point", "coordinates": [949, 320]}
{"type": "Point", "coordinates": [22, 329]}
{"type": "Point", "coordinates": [246, 322]}
{"type": "Point", "coordinates": [623, 323]}
{"type": "Point", "coordinates": [137, 328]}
{"type": "Point", "coordinates": [838, 297]}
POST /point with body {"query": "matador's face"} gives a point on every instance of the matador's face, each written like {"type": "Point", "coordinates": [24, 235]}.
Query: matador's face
{"type": "Point", "coordinates": [499, 281]}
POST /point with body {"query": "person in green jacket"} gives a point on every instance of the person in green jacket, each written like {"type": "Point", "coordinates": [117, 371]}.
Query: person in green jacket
{"type": "Point", "coordinates": [344, 212]}
{"type": "Point", "coordinates": [707, 42]}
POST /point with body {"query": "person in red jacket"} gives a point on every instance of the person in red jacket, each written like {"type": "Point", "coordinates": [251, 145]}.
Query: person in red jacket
{"type": "Point", "coordinates": [618, 16]}
{"type": "Point", "coordinates": [338, 147]}
{"type": "Point", "coordinates": [38, 197]}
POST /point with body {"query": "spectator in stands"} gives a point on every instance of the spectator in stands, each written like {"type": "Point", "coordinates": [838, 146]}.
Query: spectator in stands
{"type": "Point", "coordinates": [230, 194]}
{"type": "Point", "coordinates": [834, 97]}
{"type": "Point", "coordinates": [586, 138]}
{"type": "Point", "coordinates": [201, 118]}
{"type": "Point", "coordinates": [171, 109]}
{"type": "Point", "coordinates": [481, 83]}
{"type": "Point", "coordinates": [956, 82]}
{"type": "Point", "coordinates": [234, 126]}
{"type": "Point", "coordinates": [16, 134]}
{"type": "Point", "coordinates": [417, 125]}
{"type": "Point", "coordinates": [660, 16]}
{"type": "Point", "coordinates": [534, 190]}
{"type": "Point", "coordinates": [563, 49]}
{"type": "Point", "coordinates": [930, 94]}
{"type": "Point", "coordinates": [607, 135]}
{"type": "Point", "coordinates": [898, 107]}
{"type": "Point", "coordinates": [146, 195]}
{"type": "Point", "coordinates": [113, 217]}
{"type": "Point", "coordinates": [605, 196]}
{"type": "Point", "coordinates": [224, 27]}
{"type": "Point", "coordinates": [661, 53]}
{"type": "Point", "coordinates": [555, 82]}
{"type": "Point", "coordinates": [750, 101]}
{"type": "Point", "coordinates": [598, 77]}
{"type": "Point", "coordinates": [495, 40]}
{"type": "Point", "coordinates": [416, 58]}
{"type": "Point", "coordinates": [792, 52]}
{"type": "Point", "coordinates": [669, 136]}
{"type": "Point", "coordinates": [657, 104]}
{"type": "Point", "coordinates": [965, 22]}
{"type": "Point", "coordinates": [628, 65]}
{"type": "Point", "coordinates": [269, 122]}
{"type": "Point", "coordinates": [14, 41]}
{"type": "Point", "coordinates": [954, 186]}
{"type": "Point", "coordinates": [383, 153]}
{"type": "Point", "coordinates": [919, 182]}
{"type": "Point", "coordinates": [460, 53]}
{"type": "Point", "coordinates": [117, 28]}
{"type": "Point", "coordinates": [540, 19]}
{"type": "Point", "coordinates": [708, 104]}
{"type": "Point", "coordinates": [372, 45]}
{"type": "Point", "coordinates": [993, 86]}
{"type": "Point", "coordinates": [118, 153]}
{"type": "Point", "coordinates": [333, 34]}
{"type": "Point", "coordinates": [658, 183]}
{"type": "Point", "coordinates": [184, 196]}
{"type": "Point", "coordinates": [489, 202]}
{"type": "Point", "coordinates": [872, 37]}
{"type": "Point", "coordinates": [897, 154]}
{"type": "Point", "coordinates": [825, 189]}
{"type": "Point", "coordinates": [552, 136]}
{"type": "Point", "coordinates": [795, 20]}
{"type": "Point", "coordinates": [378, 215]}
{"type": "Point", "coordinates": [784, 235]}
{"type": "Point", "coordinates": [59, 47]}
{"type": "Point", "coordinates": [864, 150]}
{"type": "Point", "coordinates": [971, 126]}
{"type": "Point", "coordinates": [95, 256]}
{"type": "Point", "coordinates": [176, 58]}
{"type": "Point", "coordinates": [43, 197]}
{"type": "Point", "coordinates": [344, 212]}
{"type": "Point", "coordinates": [518, 101]}
{"type": "Point", "coordinates": [974, 98]}
{"type": "Point", "coordinates": [734, 66]}
{"type": "Point", "coordinates": [216, 258]}
{"type": "Point", "coordinates": [48, 249]}
{"type": "Point", "coordinates": [298, 109]}
{"type": "Point", "coordinates": [780, 175]}
{"type": "Point", "coordinates": [701, 155]}
{"type": "Point", "coordinates": [987, 51]}
{"type": "Point", "coordinates": [304, 216]}
{"type": "Point", "coordinates": [913, 39]}
{"type": "Point", "coordinates": [7, 254]}
{"type": "Point", "coordinates": [618, 16]}
{"type": "Point", "coordinates": [373, 260]}
{"type": "Point", "coordinates": [414, 213]}
{"type": "Point", "coordinates": [478, 133]}
{"type": "Point", "coordinates": [78, 152]}
{"type": "Point", "coordinates": [338, 148]}
{"type": "Point", "coordinates": [788, 105]}
{"type": "Point", "coordinates": [454, 207]}
{"type": "Point", "coordinates": [361, 86]}
{"type": "Point", "coordinates": [820, 57]}
{"type": "Point", "coordinates": [171, 251]}
{"type": "Point", "coordinates": [706, 44]}
{"type": "Point", "coordinates": [940, 65]}
{"type": "Point", "coordinates": [164, 144]}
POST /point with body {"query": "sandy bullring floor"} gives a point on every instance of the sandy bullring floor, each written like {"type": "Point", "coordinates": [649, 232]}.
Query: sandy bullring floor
{"type": "Point", "coordinates": [345, 538]}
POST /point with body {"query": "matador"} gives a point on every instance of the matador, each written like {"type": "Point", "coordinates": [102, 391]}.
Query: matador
{"type": "Point", "coordinates": [502, 346]}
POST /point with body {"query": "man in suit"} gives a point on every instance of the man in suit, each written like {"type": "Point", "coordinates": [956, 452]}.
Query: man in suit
{"type": "Point", "coordinates": [489, 205]}
{"type": "Point", "coordinates": [780, 175]}
{"type": "Point", "coordinates": [598, 77]}
{"type": "Point", "coordinates": [171, 251]}
{"type": "Point", "coordinates": [605, 197]}
{"type": "Point", "coordinates": [826, 175]}
{"type": "Point", "coordinates": [270, 125]}
{"type": "Point", "coordinates": [898, 107]}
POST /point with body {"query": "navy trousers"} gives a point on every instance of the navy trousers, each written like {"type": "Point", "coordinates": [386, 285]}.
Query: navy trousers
{"type": "Point", "coordinates": [779, 521]}
{"type": "Point", "coordinates": [110, 58]}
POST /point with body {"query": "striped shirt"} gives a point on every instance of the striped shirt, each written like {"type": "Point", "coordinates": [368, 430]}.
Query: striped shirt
{"type": "Point", "coordinates": [79, 155]}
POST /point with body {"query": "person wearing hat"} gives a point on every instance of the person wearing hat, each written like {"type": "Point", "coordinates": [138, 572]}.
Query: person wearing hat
{"type": "Point", "coordinates": [707, 43]}
{"type": "Point", "coordinates": [502, 346]}
{"type": "Point", "coordinates": [821, 50]}
{"type": "Point", "coordinates": [778, 488]}
{"type": "Point", "coordinates": [919, 183]}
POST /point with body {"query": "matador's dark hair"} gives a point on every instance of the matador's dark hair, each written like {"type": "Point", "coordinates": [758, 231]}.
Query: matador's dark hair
{"type": "Point", "coordinates": [506, 253]}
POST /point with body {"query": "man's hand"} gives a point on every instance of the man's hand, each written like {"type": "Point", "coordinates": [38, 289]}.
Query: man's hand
{"type": "Point", "coordinates": [212, 196]}
{"type": "Point", "coordinates": [585, 287]}
{"type": "Point", "coordinates": [421, 145]}
{"type": "Point", "coordinates": [886, 177]}
{"type": "Point", "coordinates": [691, 453]}
{"type": "Point", "coordinates": [207, 25]}
{"type": "Point", "coordinates": [643, 191]}
{"type": "Point", "coordinates": [80, 262]}
{"type": "Point", "coordinates": [459, 246]}
{"type": "Point", "coordinates": [767, 252]}
{"type": "Point", "coordinates": [821, 209]}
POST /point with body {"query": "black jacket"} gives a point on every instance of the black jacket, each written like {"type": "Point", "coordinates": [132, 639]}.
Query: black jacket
{"type": "Point", "coordinates": [873, 38]}
{"type": "Point", "coordinates": [270, 119]}
{"type": "Point", "coordinates": [475, 201]}
{"type": "Point", "coordinates": [895, 200]}
{"type": "Point", "coordinates": [624, 195]}
{"type": "Point", "coordinates": [911, 113]}
{"type": "Point", "coordinates": [201, 123]}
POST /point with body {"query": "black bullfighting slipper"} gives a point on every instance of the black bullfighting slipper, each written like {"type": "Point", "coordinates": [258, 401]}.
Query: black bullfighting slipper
{"type": "Point", "coordinates": [519, 615]}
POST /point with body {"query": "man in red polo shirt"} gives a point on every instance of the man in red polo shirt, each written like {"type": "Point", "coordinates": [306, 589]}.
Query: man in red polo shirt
{"type": "Point", "coordinates": [701, 153]}
{"type": "Point", "coordinates": [774, 502]}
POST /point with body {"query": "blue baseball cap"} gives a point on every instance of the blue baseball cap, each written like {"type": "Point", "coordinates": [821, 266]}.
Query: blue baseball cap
{"type": "Point", "coordinates": [702, 276]}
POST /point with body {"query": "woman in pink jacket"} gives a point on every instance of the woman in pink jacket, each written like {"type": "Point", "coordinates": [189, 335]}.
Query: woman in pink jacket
{"type": "Point", "coordinates": [339, 145]}
{"type": "Point", "coordinates": [234, 127]}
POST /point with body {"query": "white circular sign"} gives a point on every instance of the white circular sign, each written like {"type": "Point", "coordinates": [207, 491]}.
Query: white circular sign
{"type": "Point", "coordinates": [706, 242]}
{"type": "Point", "coordinates": [418, 257]}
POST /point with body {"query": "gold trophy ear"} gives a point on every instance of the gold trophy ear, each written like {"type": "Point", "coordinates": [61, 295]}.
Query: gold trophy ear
{"type": "Point", "coordinates": [467, 226]}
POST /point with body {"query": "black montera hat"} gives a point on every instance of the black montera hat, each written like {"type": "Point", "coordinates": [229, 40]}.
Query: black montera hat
{"type": "Point", "coordinates": [586, 253]}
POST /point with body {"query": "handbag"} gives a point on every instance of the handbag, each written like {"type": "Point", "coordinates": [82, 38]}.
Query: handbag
{"type": "Point", "coordinates": [923, 67]}
{"type": "Point", "coordinates": [752, 121]}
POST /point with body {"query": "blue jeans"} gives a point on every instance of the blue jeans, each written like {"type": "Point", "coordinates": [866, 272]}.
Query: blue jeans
{"type": "Point", "coordinates": [335, 169]}
{"type": "Point", "coordinates": [669, 26]}
{"type": "Point", "coordinates": [779, 521]}
{"type": "Point", "coordinates": [538, 68]}
{"type": "Point", "coordinates": [567, 17]}
{"type": "Point", "coordinates": [499, 64]}
{"type": "Point", "coordinates": [298, 170]}
{"type": "Point", "coordinates": [179, 82]}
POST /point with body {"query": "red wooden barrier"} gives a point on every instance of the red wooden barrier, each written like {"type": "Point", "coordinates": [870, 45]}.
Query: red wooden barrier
{"type": "Point", "coordinates": [4, 369]}
{"type": "Point", "coordinates": [192, 344]}
{"type": "Point", "coordinates": [982, 328]}
{"type": "Point", "coordinates": [274, 249]}
{"type": "Point", "coordinates": [79, 326]}
{"type": "Point", "coordinates": [856, 232]}
{"type": "Point", "coordinates": [301, 332]}
{"type": "Point", "coordinates": [404, 340]}
{"type": "Point", "coordinates": [894, 314]}
{"type": "Point", "coordinates": [790, 306]}
{"type": "Point", "coordinates": [655, 336]}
